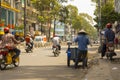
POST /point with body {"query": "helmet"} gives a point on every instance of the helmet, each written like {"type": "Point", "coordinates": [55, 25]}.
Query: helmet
{"type": "Point", "coordinates": [109, 25]}
{"type": "Point", "coordinates": [28, 34]}
{"type": "Point", "coordinates": [6, 29]}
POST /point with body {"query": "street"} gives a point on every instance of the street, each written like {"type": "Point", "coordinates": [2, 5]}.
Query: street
{"type": "Point", "coordinates": [42, 65]}
{"type": "Point", "coordinates": [39, 24]}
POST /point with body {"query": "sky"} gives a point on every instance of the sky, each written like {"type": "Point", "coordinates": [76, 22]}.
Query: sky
{"type": "Point", "coordinates": [84, 6]}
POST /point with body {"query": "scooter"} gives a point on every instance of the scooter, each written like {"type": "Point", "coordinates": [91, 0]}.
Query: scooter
{"type": "Point", "coordinates": [6, 58]}
{"type": "Point", "coordinates": [110, 52]}
{"type": "Point", "coordinates": [56, 51]}
{"type": "Point", "coordinates": [28, 47]}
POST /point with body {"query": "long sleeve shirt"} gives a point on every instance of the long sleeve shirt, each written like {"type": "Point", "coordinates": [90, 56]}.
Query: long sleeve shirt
{"type": "Point", "coordinates": [83, 41]}
{"type": "Point", "coordinates": [109, 35]}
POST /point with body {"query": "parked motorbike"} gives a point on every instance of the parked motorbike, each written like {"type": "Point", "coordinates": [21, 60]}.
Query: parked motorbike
{"type": "Point", "coordinates": [28, 47]}
{"type": "Point", "coordinates": [56, 51]}
{"type": "Point", "coordinates": [6, 58]}
{"type": "Point", "coordinates": [110, 52]}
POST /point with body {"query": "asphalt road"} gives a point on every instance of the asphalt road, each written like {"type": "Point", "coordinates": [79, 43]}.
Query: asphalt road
{"type": "Point", "coordinates": [42, 65]}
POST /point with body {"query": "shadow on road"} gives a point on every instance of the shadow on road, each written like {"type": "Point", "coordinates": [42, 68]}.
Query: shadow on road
{"type": "Point", "coordinates": [61, 72]}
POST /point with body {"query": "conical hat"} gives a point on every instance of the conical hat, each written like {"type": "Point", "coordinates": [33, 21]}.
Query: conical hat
{"type": "Point", "coordinates": [82, 31]}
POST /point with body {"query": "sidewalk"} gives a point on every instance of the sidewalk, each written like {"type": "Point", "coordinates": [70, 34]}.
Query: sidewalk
{"type": "Point", "coordinates": [105, 70]}
{"type": "Point", "coordinates": [99, 72]}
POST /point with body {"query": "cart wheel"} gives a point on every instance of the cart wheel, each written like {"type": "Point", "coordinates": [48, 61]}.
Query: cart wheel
{"type": "Point", "coordinates": [111, 56]}
{"type": "Point", "coordinates": [55, 54]}
{"type": "Point", "coordinates": [68, 62]}
{"type": "Point", "coordinates": [76, 63]}
{"type": "Point", "coordinates": [107, 55]}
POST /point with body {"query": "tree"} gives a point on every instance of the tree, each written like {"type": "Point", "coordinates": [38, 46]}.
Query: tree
{"type": "Point", "coordinates": [72, 13]}
{"type": "Point", "coordinates": [80, 21]}
{"type": "Point", "coordinates": [107, 13]}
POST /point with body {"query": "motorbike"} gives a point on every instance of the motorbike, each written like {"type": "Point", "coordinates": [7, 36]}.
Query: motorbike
{"type": "Point", "coordinates": [110, 52]}
{"type": "Point", "coordinates": [6, 58]}
{"type": "Point", "coordinates": [56, 51]}
{"type": "Point", "coordinates": [28, 47]}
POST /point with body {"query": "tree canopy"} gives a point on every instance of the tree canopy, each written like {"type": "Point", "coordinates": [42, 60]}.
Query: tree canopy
{"type": "Point", "coordinates": [67, 14]}
{"type": "Point", "coordinates": [108, 13]}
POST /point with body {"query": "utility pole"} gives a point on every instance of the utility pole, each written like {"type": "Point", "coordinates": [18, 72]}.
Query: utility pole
{"type": "Point", "coordinates": [99, 20]}
{"type": "Point", "coordinates": [0, 17]}
{"type": "Point", "coordinates": [0, 11]}
{"type": "Point", "coordinates": [99, 14]}
{"type": "Point", "coordinates": [54, 25]}
{"type": "Point", "coordinates": [24, 18]}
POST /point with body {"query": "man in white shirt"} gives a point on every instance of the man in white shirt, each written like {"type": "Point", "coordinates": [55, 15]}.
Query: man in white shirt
{"type": "Point", "coordinates": [56, 42]}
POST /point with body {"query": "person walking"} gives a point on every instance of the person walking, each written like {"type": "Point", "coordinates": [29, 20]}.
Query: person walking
{"type": "Point", "coordinates": [83, 41]}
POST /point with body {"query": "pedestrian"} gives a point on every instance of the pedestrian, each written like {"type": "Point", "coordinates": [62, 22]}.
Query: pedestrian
{"type": "Point", "coordinates": [83, 41]}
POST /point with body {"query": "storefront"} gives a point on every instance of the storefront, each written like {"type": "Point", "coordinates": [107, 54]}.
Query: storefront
{"type": "Point", "coordinates": [8, 17]}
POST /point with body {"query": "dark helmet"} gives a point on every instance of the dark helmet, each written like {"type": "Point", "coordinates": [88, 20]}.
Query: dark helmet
{"type": "Point", "coordinates": [109, 25]}
{"type": "Point", "coordinates": [6, 29]}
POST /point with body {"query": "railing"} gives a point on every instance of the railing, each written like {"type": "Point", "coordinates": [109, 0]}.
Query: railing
{"type": "Point", "coordinates": [39, 45]}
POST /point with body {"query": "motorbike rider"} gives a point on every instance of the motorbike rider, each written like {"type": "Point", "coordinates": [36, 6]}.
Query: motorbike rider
{"type": "Point", "coordinates": [109, 38]}
{"type": "Point", "coordinates": [29, 40]}
{"type": "Point", "coordinates": [56, 42]}
{"type": "Point", "coordinates": [9, 41]}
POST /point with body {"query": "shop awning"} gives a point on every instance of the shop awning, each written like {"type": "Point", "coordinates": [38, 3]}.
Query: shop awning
{"type": "Point", "coordinates": [8, 7]}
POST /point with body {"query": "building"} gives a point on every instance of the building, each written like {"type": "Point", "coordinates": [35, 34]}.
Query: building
{"type": "Point", "coordinates": [31, 14]}
{"type": "Point", "coordinates": [117, 6]}
{"type": "Point", "coordinates": [8, 15]}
